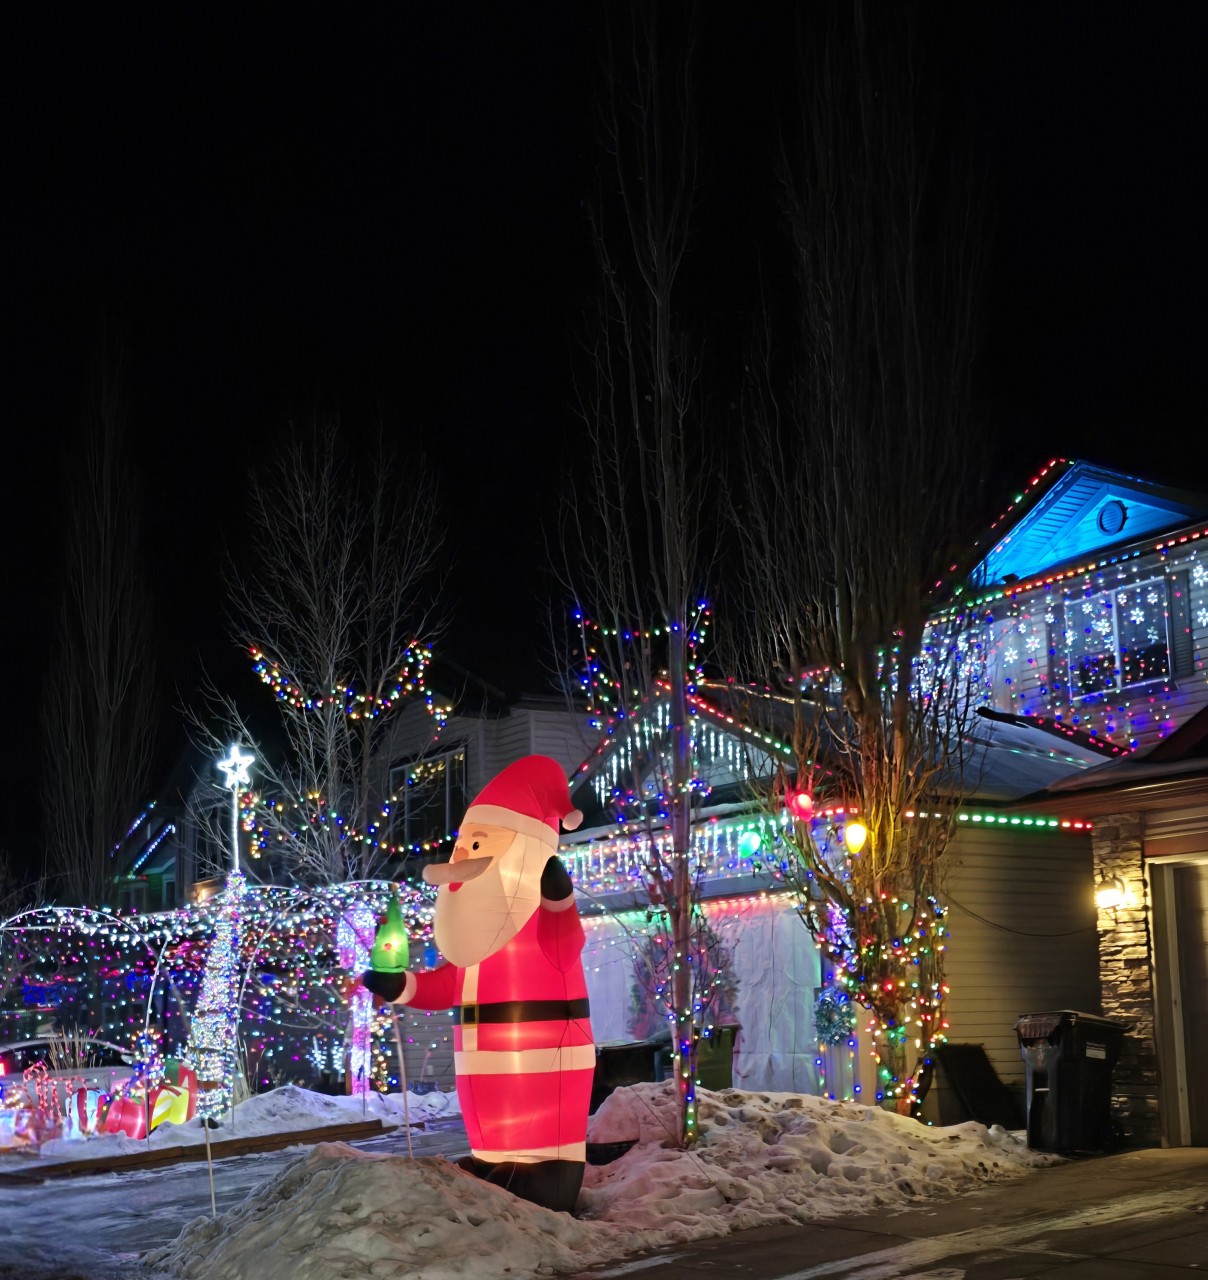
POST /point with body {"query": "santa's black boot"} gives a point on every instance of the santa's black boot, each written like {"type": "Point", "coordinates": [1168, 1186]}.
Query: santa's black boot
{"type": "Point", "coordinates": [554, 1184]}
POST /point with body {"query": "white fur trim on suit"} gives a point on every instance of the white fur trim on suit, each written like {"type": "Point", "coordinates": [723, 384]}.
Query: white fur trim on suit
{"type": "Point", "coordinates": [496, 816]}
{"type": "Point", "coordinates": [531, 1155]}
{"type": "Point", "coordinates": [524, 1062]}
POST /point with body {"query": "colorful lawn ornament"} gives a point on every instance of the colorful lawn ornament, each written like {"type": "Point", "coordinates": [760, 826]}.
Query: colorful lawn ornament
{"type": "Point", "coordinates": [507, 924]}
{"type": "Point", "coordinates": [174, 1099]}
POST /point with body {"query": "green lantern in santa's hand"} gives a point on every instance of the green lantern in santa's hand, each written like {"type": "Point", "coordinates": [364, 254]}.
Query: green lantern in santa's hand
{"type": "Point", "coordinates": [391, 946]}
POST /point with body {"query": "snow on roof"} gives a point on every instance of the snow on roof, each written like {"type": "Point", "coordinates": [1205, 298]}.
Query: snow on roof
{"type": "Point", "coordinates": [1011, 759]}
{"type": "Point", "coordinates": [1008, 756]}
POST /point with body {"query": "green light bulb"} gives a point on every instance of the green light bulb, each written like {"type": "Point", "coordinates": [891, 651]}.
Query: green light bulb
{"type": "Point", "coordinates": [391, 946]}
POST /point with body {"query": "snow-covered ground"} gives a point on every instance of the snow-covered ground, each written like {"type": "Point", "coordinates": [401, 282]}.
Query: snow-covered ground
{"type": "Point", "coordinates": [280, 1111]}
{"type": "Point", "coordinates": [762, 1158]}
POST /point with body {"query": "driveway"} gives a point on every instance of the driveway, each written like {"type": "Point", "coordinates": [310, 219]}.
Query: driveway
{"type": "Point", "coordinates": [1140, 1215]}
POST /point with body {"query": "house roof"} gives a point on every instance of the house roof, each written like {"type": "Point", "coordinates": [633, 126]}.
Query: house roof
{"type": "Point", "coordinates": [1011, 758]}
{"type": "Point", "coordinates": [147, 847]}
{"type": "Point", "coordinates": [1073, 509]}
{"type": "Point", "coordinates": [1172, 770]}
{"type": "Point", "coordinates": [1008, 757]}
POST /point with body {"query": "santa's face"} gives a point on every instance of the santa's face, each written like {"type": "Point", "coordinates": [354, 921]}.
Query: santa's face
{"type": "Point", "coordinates": [489, 890]}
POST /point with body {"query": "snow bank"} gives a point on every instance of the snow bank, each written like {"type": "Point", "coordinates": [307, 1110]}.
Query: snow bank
{"type": "Point", "coordinates": [341, 1212]}
{"type": "Point", "coordinates": [763, 1158]}
{"type": "Point", "coordinates": [776, 1157]}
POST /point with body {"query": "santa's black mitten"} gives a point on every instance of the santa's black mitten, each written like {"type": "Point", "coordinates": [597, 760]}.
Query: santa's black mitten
{"type": "Point", "coordinates": [387, 985]}
{"type": "Point", "coordinates": [555, 882]}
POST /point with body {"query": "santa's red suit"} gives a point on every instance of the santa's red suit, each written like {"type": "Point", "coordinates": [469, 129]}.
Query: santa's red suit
{"type": "Point", "coordinates": [522, 1051]}
{"type": "Point", "coordinates": [507, 923]}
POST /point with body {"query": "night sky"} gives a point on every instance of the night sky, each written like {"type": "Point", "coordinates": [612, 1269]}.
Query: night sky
{"type": "Point", "coordinates": [289, 216]}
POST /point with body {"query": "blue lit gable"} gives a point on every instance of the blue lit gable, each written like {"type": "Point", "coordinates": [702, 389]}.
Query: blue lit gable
{"type": "Point", "coordinates": [1086, 510]}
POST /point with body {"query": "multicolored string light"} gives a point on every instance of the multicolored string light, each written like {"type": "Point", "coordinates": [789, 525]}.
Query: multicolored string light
{"type": "Point", "coordinates": [356, 704]}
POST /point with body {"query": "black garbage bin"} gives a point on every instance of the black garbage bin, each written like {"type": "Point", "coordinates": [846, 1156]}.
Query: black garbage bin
{"type": "Point", "coordinates": [1069, 1058]}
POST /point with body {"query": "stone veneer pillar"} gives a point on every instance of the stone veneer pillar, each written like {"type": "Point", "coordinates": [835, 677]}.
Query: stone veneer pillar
{"type": "Point", "coordinates": [1126, 976]}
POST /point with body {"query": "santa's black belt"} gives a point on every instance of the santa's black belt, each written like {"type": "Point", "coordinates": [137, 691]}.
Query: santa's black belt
{"type": "Point", "coordinates": [524, 1011]}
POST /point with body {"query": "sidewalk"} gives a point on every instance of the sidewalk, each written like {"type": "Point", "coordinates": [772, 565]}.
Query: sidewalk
{"type": "Point", "coordinates": [1140, 1215]}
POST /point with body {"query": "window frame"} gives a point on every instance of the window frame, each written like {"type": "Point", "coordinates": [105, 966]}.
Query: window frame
{"type": "Point", "coordinates": [1162, 582]}
{"type": "Point", "coordinates": [401, 817]}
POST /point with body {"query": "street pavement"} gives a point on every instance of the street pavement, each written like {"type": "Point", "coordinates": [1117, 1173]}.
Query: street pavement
{"type": "Point", "coordinates": [1140, 1215]}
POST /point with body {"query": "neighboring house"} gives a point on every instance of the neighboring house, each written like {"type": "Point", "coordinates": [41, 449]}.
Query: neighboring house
{"type": "Point", "coordinates": [146, 862]}
{"type": "Point", "coordinates": [424, 778]}
{"type": "Point", "coordinates": [156, 864]}
{"type": "Point", "coordinates": [431, 780]}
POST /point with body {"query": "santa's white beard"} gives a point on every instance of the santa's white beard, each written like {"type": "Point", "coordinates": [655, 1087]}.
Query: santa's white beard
{"type": "Point", "coordinates": [486, 913]}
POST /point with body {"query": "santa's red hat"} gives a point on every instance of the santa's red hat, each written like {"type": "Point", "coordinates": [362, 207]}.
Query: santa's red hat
{"type": "Point", "coordinates": [531, 796]}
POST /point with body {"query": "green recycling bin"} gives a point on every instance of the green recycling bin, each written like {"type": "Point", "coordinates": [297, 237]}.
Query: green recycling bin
{"type": "Point", "coordinates": [1069, 1057]}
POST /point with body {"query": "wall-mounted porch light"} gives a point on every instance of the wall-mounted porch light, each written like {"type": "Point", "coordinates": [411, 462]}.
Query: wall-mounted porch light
{"type": "Point", "coordinates": [1110, 895]}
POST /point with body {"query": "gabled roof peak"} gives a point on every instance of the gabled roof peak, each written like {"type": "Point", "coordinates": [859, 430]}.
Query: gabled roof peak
{"type": "Point", "coordinates": [1072, 509]}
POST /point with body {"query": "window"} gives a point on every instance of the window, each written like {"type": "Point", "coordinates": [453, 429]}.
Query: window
{"type": "Point", "coordinates": [429, 798]}
{"type": "Point", "coordinates": [1118, 638]}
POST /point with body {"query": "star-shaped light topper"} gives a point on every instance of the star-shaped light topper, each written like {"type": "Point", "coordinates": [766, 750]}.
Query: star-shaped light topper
{"type": "Point", "coordinates": [236, 767]}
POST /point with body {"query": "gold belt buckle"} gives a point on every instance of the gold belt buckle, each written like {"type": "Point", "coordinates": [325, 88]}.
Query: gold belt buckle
{"type": "Point", "coordinates": [469, 1014]}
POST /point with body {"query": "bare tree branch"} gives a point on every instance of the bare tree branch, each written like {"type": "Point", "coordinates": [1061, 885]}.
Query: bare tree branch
{"type": "Point", "coordinates": [634, 548]}
{"type": "Point", "coordinates": [858, 480]}
{"type": "Point", "coordinates": [99, 714]}
{"type": "Point", "coordinates": [335, 608]}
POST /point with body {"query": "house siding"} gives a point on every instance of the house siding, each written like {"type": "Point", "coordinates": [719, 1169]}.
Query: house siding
{"type": "Point", "coordinates": [1022, 938]}
{"type": "Point", "coordinates": [491, 743]}
{"type": "Point", "coordinates": [505, 740]}
{"type": "Point", "coordinates": [427, 1048]}
{"type": "Point", "coordinates": [560, 735]}
{"type": "Point", "coordinates": [529, 731]}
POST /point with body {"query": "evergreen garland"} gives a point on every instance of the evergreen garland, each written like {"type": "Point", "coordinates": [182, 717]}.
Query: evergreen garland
{"type": "Point", "coordinates": [834, 1016]}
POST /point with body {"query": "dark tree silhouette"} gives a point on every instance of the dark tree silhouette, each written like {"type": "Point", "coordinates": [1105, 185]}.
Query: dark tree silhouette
{"type": "Point", "coordinates": [99, 714]}
{"type": "Point", "coordinates": [860, 467]}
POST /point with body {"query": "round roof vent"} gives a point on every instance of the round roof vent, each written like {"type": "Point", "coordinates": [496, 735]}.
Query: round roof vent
{"type": "Point", "coordinates": [1112, 516]}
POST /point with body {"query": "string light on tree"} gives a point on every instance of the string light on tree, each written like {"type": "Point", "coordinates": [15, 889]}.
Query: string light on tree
{"type": "Point", "coordinates": [354, 936]}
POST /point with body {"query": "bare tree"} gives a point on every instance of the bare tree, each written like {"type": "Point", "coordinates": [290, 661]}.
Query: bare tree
{"type": "Point", "coordinates": [634, 535]}
{"type": "Point", "coordinates": [99, 714]}
{"type": "Point", "coordinates": [860, 466]}
{"type": "Point", "coordinates": [335, 612]}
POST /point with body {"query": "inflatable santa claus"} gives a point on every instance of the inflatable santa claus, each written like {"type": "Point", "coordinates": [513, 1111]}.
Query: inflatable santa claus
{"type": "Point", "coordinates": [507, 924]}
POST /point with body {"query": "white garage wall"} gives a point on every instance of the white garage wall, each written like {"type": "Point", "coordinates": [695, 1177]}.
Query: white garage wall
{"type": "Point", "coordinates": [778, 975]}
